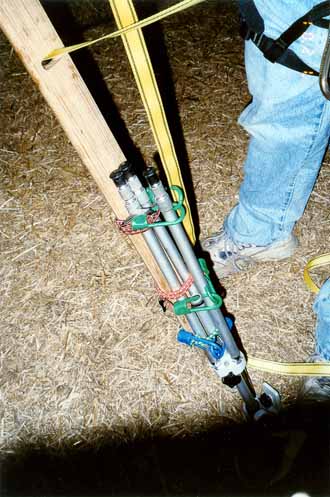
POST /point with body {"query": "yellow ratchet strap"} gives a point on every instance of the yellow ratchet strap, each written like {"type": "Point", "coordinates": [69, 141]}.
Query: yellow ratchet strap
{"type": "Point", "coordinates": [125, 15]}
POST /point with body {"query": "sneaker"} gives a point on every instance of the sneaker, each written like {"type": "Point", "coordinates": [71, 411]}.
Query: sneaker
{"type": "Point", "coordinates": [230, 257]}
{"type": "Point", "coordinates": [315, 388]}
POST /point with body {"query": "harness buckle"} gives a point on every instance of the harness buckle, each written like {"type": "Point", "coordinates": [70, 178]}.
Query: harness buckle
{"type": "Point", "coordinates": [276, 50]}
{"type": "Point", "coordinates": [248, 34]}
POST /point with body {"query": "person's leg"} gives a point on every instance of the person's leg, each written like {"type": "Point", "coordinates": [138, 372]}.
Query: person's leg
{"type": "Point", "coordinates": [289, 124]}
{"type": "Point", "coordinates": [318, 388]}
{"type": "Point", "coordinates": [322, 310]}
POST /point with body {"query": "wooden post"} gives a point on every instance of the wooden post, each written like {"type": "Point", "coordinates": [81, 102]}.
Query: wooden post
{"type": "Point", "coordinates": [32, 35]}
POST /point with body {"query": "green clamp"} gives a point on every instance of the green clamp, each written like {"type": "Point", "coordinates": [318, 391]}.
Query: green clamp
{"type": "Point", "coordinates": [154, 206]}
{"type": "Point", "coordinates": [140, 221]}
{"type": "Point", "coordinates": [185, 306]}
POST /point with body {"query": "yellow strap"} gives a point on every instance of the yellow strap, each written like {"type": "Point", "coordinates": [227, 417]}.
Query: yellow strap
{"type": "Point", "coordinates": [290, 368]}
{"type": "Point", "coordinates": [139, 59]}
{"type": "Point", "coordinates": [297, 368]}
{"type": "Point", "coordinates": [321, 260]}
{"type": "Point", "coordinates": [184, 4]}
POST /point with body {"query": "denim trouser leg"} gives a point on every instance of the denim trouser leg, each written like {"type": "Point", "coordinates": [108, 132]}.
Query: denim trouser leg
{"type": "Point", "coordinates": [289, 125]}
{"type": "Point", "coordinates": [322, 310]}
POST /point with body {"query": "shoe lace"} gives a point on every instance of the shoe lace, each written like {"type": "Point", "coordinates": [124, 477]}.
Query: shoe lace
{"type": "Point", "coordinates": [233, 249]}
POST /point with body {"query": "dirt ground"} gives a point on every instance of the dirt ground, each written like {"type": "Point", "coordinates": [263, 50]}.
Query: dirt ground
{"type": "Point", "coordinates": [85, 348]}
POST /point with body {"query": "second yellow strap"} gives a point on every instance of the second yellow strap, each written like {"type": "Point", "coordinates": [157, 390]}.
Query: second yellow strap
{"type": "Point", "coordinates": [297, 368]}
{"type": "Point", "coordinates": [290, 368]}
{"type": "Point", "coordinates": [321, 260]}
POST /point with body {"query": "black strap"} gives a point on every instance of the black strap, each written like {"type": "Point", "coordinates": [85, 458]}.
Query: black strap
{"type": "Point", "coordinates": [322, 23]}
{"type": "Point", "coordinates": [252, 27]}
{"type": "Point", "coordinates": [275, 52]}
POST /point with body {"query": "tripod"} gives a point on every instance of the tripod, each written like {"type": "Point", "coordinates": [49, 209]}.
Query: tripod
{"type": "Point", "coordinates": [159, 219]}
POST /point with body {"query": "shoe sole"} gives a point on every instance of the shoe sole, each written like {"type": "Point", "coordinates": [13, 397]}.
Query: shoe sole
{"type": "Point", "coordinates": [283, 251]}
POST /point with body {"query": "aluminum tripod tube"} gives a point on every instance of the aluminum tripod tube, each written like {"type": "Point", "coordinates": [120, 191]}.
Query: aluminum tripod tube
{"type": "Point", "coordinates": [133, 207]}
{"type": "Point", "coordinates": [164, 202]}
{"type": "Point", "coordinates": [171, 249]}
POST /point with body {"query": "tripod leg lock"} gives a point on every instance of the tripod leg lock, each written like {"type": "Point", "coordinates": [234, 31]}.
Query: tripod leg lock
{"type": "Point", "coordinates": [230, 367]}
{"type": "Point", "coordinates": [225, 366]}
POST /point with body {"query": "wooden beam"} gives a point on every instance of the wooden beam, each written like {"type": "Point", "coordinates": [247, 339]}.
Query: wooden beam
{"type": "Point", "coordinates": [32, 35]}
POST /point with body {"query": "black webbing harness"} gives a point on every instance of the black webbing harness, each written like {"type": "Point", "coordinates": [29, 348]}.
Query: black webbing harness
{"type": "Point", "coordinates": [252, 28]}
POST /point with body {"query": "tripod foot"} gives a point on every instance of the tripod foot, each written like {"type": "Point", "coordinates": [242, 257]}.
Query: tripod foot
{"type": "Point", "coordinates": [269, 403]}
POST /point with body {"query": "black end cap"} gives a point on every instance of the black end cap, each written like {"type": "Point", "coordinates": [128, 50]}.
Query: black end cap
{"type": "Point", "coordinates": [118, 177]}
{"type": "Point", "coordinates": [151, 175]}
{"type": "Point", "coordinates": [127, 169]}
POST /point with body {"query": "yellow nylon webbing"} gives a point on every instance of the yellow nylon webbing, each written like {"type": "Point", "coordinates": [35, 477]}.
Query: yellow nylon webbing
{"type": "Point", "coordinates": [174, 9]}
{"type": "Point", "coordinates": [321, 260]}
{"type": "Point", "coordinates": [290, 368]}
{"type": "Point", "coordinates": [139, 59]}
{"type": "Point", "coordinates": [297, 368]}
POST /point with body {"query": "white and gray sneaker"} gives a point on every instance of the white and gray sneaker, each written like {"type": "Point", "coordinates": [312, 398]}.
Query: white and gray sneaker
{"type": "Point", "coordinates": [315, 388]}
{"type": "Point", "coordinates": [230, 257]}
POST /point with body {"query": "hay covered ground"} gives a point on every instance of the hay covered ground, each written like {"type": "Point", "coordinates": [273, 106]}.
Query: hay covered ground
{"type": "Point", "coordinates": [85, 348]}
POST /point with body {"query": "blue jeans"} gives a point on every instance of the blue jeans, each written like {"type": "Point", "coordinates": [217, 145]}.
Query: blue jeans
{"type": "Point", "coordinates": [288, 122]}
{"type": "Point", "coordinates": [322, 310]}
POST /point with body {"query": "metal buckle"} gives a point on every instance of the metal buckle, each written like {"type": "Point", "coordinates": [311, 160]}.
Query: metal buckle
{"type": "Point", "coordinates": [257, 39]}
